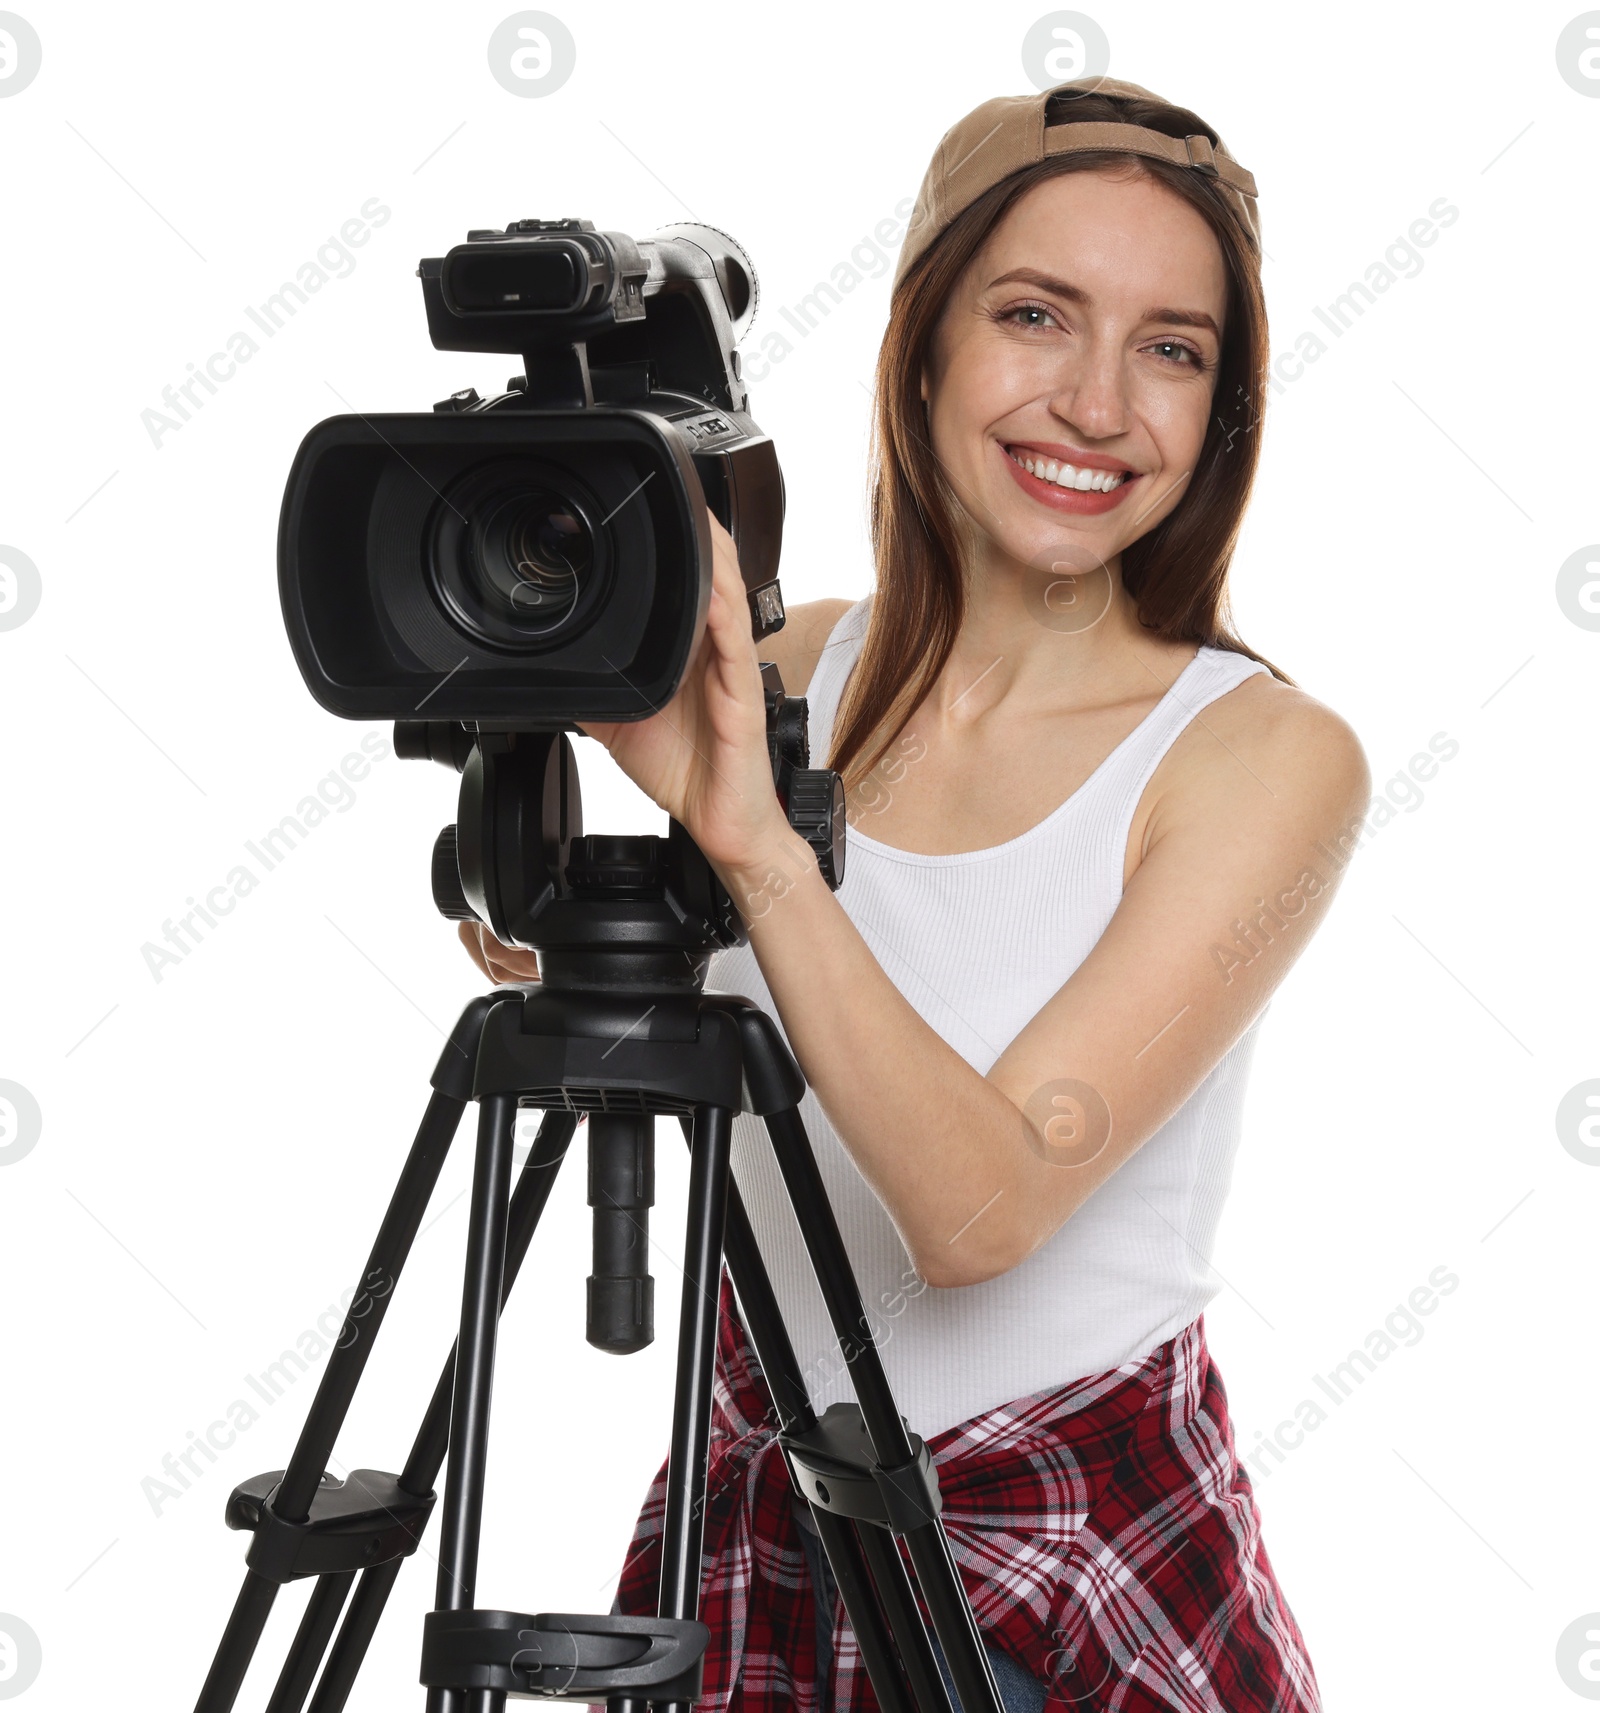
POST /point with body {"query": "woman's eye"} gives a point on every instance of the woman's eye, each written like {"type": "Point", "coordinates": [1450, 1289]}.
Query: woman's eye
{"type": "Point", "coordinates": [1187, 354]}
{"type": "Point", "coordinates": [1031, 316]}
{"type": "Point", "coordinates": [1038, 311]}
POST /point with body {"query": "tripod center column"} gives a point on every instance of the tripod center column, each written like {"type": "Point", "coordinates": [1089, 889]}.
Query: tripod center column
{"type": "Point", "coordinates": [622, 1190]}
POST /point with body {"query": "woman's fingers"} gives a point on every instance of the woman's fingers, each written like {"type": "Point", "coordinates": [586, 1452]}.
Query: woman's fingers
{"type": "Point", "coordinates": [703, 756]}
{"type": "Point", "coordinates": [727, 582]}
{"type": "Point", "coordinates": [603, 732]}
{"type": "Point", "coordinates": [729, 623]}
{"type": "Point", "coordinates": [705, 751]}
{"type": "Point", "coordinates": [465, 932]}
{"type": "Point", "coordinates": [498, 962]}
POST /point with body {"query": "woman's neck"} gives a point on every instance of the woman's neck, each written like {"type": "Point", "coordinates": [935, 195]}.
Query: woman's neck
{"type": "Point", "coordinates": [1034, 644]}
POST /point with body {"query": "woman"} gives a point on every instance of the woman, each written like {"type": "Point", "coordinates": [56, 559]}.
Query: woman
{"type": "Point", "coordinates": [1086, 826]}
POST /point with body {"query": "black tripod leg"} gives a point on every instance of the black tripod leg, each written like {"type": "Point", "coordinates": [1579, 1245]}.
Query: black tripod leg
{"type": "Point", "coordinates": [791, 1410]}
{"type": "Point", "coordinates": [940, 1581]}
{"type": "Point", "coordinates": [240, 1638]}
{"type": "Point", "coordinates": [355, 1636]}
{"type": "Point", "coordinates": [763, 1321]}
{"type": "Point", "coordinates": [332, 1402]}
{"type": "Point", "coordinates": [310, 1642]}
{"type": "Point", "coordinates": [474, 1379]}
{"type": "Point", "coordinates": [937, 1574]}
{"type": "Point", "coordinates": [860, 1588]}
{"type": "Point", "coordinates": [337, 1386]}
{"type": "Point", "coordinates": [889, 1577]}
{"type": "Point", "coordinates": [428, 1449]}
{"type": "Point", "coordinates": [683, 1530]}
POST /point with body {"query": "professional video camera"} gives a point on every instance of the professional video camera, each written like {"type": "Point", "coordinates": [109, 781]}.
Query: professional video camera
{"type": "Point", "coordinates": [490, 574]}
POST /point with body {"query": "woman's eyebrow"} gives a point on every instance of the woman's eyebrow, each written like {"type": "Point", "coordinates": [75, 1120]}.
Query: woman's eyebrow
{"type": "Point", "coordinates": [1076, 294]}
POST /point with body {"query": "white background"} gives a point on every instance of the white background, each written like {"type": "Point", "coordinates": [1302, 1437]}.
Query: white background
{"type": "Point", "coordinates": [217, 1147]}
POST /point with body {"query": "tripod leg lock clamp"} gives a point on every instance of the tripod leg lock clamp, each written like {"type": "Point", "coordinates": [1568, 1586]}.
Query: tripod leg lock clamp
{"type": "Point", "coordinates": [832, 1465]}
{"type": "Point", "coordinates": [365, 1519]}
{"type": "Point", "coordinates": [564, 1656]}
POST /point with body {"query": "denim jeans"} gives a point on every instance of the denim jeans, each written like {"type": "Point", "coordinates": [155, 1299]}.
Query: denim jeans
{"type": "Point", "coordinates": [1020, 1690]}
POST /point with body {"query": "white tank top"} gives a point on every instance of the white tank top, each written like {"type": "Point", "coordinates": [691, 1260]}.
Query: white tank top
{"type": "Point", "coordinates": [978, 942]}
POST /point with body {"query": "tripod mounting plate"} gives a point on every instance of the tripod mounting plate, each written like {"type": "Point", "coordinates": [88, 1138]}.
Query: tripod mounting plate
{"type": "Point", "coordinates": [367, 1518]}
{"type": "Point", "coordinates": [593, 1054]}
{"type": "Point", "coordinates": [564, 1656]}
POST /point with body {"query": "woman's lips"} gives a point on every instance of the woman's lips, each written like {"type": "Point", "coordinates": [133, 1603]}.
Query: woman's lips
{"type": "Point", "coordinates": [1084, 502]}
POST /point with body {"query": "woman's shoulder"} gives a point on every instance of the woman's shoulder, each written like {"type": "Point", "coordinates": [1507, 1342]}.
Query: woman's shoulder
{"type": "Point", "coordinates": [1264, 768]}
{"type": "Point", "coordinates": [1265, 746]}
{"type": "Point", "coordinates": [796, 649]}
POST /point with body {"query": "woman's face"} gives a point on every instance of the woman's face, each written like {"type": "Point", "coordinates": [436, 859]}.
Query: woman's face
{"type": "Point", "coordinates": [1083, 338]}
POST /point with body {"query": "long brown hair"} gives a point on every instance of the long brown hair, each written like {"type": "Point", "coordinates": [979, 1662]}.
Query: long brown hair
{"type": "Point", "coordinates": [1177, 572]}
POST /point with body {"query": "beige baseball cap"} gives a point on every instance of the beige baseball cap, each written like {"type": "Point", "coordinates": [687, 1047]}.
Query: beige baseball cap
{"type": "Point", "coordinates": [1011, 132]}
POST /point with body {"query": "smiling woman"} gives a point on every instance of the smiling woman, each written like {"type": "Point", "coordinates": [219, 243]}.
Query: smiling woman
{"type": "Point", "coordinates": [1026, 1075]}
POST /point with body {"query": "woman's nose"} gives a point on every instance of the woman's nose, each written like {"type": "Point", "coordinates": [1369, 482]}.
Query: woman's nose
{"type": "Point", "coordinates": [1090, 394]}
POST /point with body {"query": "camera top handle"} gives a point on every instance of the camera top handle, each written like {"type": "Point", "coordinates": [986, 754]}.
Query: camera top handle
{"type": "Point", "coordinates": [602, 318]}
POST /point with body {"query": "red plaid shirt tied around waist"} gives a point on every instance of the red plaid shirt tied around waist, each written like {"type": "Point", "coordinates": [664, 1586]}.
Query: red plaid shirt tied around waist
{"type": "Point", "coordinates": [1105, 1532]}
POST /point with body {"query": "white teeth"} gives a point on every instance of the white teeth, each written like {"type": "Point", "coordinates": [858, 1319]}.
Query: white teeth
{"type": "Point", "coordinates": [1066, 476]}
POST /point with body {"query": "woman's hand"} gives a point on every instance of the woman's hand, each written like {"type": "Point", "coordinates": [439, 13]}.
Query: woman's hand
{"type": "Point", "coordinates": [498, 961]}
{"type": "Point", "coordinates": [703, 757]}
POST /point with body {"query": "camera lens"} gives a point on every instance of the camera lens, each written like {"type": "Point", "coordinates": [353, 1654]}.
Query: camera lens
{"type": "Point", "coordinates": [531, 554]}
{"type": "Point", "coordinates": [514, 554]}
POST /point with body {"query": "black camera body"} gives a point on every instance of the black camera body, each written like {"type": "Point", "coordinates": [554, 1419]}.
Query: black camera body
{"type": "Point", "coordinates": [491, 574]}
{"type": "Point", "coordinates": [543, 556]}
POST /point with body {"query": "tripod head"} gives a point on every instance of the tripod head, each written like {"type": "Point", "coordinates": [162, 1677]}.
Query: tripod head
{"type": "Point", "coordinates": [614, 918]}
{"type": "Point", "coordinates": [606, 912]}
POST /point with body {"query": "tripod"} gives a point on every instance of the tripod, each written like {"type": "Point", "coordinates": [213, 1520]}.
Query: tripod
{"type": "Point", "coordinates": [620, 1029]}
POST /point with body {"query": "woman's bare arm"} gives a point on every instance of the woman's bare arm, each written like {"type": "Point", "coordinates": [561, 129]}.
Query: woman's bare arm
{"type": "Point", "coordinates": [978, 1171]}
{"type": "Point", "coordinates": [797, 648]}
